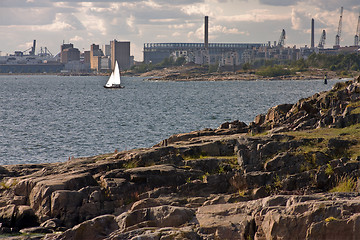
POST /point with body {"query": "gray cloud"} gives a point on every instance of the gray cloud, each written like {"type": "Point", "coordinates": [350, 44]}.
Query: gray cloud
{"type": "Point", "coordinates": [24, 3]}
{"type": "Point", "coordinates": [13, 16]}
{"type": "Point", "coordinates": [333, 5]}
{"type": "Point", "coordinates": [330, 5]}
{"type": "Point", "coordinates": [280, 2]}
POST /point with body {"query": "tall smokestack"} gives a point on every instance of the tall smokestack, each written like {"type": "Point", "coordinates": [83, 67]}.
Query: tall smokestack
{"type": "Point", "coordinates": [206, 38]}
{"type": "Point", "coordinates": [312, 33]}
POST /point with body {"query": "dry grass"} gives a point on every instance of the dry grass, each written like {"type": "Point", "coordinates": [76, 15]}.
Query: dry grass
{"type": "Point", "coordinates": [347, 133]}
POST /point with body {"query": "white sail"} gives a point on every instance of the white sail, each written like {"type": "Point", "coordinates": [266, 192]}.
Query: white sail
{"type": "Point", "coordinates": [114, 77]}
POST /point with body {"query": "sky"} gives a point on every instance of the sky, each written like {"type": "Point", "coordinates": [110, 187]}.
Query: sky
{"type": "Point", "coordinates": [86, 22]}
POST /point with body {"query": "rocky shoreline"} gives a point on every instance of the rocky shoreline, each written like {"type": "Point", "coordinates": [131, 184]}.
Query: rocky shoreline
{"type": "Point", "coordinates": [277, 178]}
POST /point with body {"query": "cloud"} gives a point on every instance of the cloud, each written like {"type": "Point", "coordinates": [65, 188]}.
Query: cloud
{"type": "Point", "coordinates": [24, 3]}
{"type": "Point", "coordinates": [62, 22]}
{"type": "Point", "coordinates": [215, 31]}
{"type": "Point", "coordinates": [19, 16]}
{"type": "Point", "coordinates": [187, 25]}
{"type": "Point", "coordinates": [76, 39]}
{"type": "Point", "coordinates": [200, 9]}
{"type": "Point", "coordinates": [279, 2]}
{"type": "Point", "coordinates": [298, 20]}
{"type": "Point", "coordinates": [256, 15]}
{"type": "Point", "coordinates": [331, 5]}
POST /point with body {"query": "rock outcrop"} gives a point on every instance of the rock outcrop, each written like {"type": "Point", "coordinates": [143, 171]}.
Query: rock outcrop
{"type": "Point", "coordinates": [270, 179]}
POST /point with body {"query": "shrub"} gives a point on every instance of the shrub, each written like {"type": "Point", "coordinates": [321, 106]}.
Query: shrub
{"type": "Point", "coordinates": [273, 71]}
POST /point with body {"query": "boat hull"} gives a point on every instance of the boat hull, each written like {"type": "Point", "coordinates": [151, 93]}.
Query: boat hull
{"type": "Point", "coordinates": [114, 86]}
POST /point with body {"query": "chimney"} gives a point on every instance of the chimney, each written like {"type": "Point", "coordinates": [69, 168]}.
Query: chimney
{"type": "Point", "coordinates": [312, 33]}
{"type": "Point", "coordinates": [206, 40]}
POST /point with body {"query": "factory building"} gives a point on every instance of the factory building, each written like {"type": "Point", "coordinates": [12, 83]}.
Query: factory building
{"type": "Point", "coordinates": [198, 53]}
{"type": "Point", "coordinates": [195, 52]}
{"type": "Point", "coordinates": [120, 51]}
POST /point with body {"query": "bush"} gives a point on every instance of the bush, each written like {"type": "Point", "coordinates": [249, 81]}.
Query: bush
{"type": "Point", "coordinates": [273, 71]}
{"type": "Point", "coordinates": [246, 66]}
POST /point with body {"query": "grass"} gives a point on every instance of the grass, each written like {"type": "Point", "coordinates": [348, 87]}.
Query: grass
{"type": "Point", "coordinates": [5, 185]}
{"type": "Point", "coordinates": [131, 164]}
{"type": "Point", "coordinates": [331, 219]}
{"type": "Point", "coordinates": [195, 157]}
{"type": "Point", "coordinates": [232, 160]}
{"type": "Point", "coordinates": [347, 133]}
{"type": "Point", "coordinates": [345, 184]}
{"type": "Point", "coordinates": [329, 170]}
{"type": "Point", "coordinates": [103, 156]}
{"type": "Point", "coordinates": [356, 106]}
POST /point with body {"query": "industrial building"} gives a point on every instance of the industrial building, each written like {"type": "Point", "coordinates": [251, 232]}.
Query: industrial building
{"type": "Point", "coordinates": [69, 53]}
{"type": "Point", "coordinates": [198, 53]}
{"type": "Point", "coordinates": [225, 54]}
{"type": "Point", "coordinates": [29, 62]}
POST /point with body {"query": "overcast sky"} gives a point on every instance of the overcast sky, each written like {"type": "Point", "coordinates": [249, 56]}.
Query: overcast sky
{"type": "Point", "coordinates": [84, 22]}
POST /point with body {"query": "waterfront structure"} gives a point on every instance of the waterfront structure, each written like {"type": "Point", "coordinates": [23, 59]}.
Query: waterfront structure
{"type": "Point", "coordinates": [69, 53]}
{"type": "Point", "coordinates": [120, 52]}
{"type": "Point", "coordinates": [95, 57]}
{"type": "Point", "coordinates": [105, 64]}
{"type": "Point", "coordinates": [106, 48]}
{"type": "Point", "coordinates": [195, 52]}
{"type": "Point", "coordinates": [198, 53]}
{"type": "Point", "coordinates": [278, 53]}
{"type": "Point", "coordinates": [87, 57]}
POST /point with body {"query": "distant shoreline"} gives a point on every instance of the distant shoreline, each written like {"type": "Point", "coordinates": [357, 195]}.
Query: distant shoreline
{"type": "Point", "coordinates": [192, 73]}
{"type": "Point", "coordinates": [188, 73]}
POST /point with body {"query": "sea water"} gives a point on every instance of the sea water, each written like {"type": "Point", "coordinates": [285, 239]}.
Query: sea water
{"type": "Point", "coordinates": [48, 118]}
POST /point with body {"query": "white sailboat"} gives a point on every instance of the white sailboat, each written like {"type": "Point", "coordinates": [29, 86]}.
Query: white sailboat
{"type": "Point", "coordinates": [114, 80]}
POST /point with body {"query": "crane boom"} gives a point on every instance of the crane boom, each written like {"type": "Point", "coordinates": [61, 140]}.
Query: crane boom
{"type": "Point", "coordinates": [282, 38]}
{"type": "Point", "coordinates": [322, 40]}
{"type": "Point", "coordinates": [356, 41]}
{"type": "Point", "coordinates": [338, 35]}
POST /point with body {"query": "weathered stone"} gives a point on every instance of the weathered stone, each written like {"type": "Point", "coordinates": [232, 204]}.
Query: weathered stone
{"type": "Point", "coordinates": [35, 230]}
{"type": "Point", "coordinates": [145, 203]}
{"type": "Point", "coordinates": [7, 215]}
{"type": "Point", "coordinates": [275, 114]}
{"type": "Point", "coordinates": [51, 223]}
{"type": "Point", "coordinates": [65, 206]}
{"type": "Point", "coordinates": [25, 217]}
{"type": "Point", "coordinates": [94, 229]}
{"type": "Point", "coordinates": [162, 216]}
{"type": "Point", "coordinates": [225, 221]}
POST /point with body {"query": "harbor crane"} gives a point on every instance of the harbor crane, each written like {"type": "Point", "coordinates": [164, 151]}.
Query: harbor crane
{"type": "Point", "coordinates": [356, 40]}
{"type": "Point", "coordinates": [338, 35]}
{"type": "Point", "coordinates": [31, 50]}
{"type": "Point", "coordinates": [282, 38]}
{"type": "Point", "coordinates": [322, 40]}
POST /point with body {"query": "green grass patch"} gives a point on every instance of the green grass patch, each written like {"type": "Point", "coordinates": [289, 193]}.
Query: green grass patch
{"type": "Point", "coordinates": [131, 164]}
{"type": "Point", "coordinates": [345, 184]}
{"type": "Point", "coordinates": [347, 133]}
{"type": "Point", "coordinates": [195, 157]}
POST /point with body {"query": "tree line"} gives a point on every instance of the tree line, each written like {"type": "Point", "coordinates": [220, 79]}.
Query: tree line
{"type": "Point", "coordinates": [341, 63]}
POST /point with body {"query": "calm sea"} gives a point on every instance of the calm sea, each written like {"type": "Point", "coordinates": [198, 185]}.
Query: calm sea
{"type": "Point", "coordinates": [52, 118]}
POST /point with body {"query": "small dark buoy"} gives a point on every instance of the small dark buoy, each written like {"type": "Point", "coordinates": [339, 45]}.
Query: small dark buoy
{"type": "Point", "coordinates": [325, 79]}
